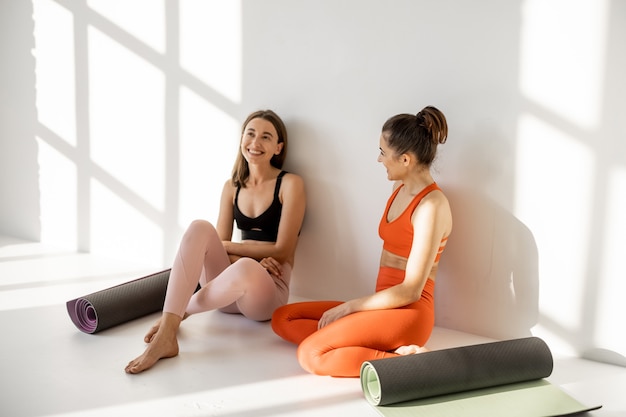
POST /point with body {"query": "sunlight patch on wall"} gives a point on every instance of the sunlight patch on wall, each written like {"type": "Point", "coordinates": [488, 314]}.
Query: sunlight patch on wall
{"type": "Point", "coordinates": [123, 153]}
{"type": "Point", "coordinates": [58, 194]}
{"type": "Point", "coordinates": [54, 70]}
{"type": "Point", "coordinates": [612, 286]}
{"type": "Point", "coordinates": [553, 197]}
{"type": "Point", "coordinates": [127, 127]}
{"type": "Point", "coordinates": [120, 230]}
{"type": "Point", "coordinates": [209, 140]}
{"type": "Point", "coordinates": [144, 19]}
{"type": "Point", "coordinates": [562, 57]}
{"type": "Point", "coordinates": [211, 44]}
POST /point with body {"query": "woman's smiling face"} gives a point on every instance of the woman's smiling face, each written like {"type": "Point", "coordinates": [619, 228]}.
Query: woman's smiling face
{"type": "Point", "coordinates": [389, 159]}
{"type": "Point", "coordinates": [260, 141]}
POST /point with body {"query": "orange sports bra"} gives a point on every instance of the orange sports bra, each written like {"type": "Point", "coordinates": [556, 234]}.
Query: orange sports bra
{"type": "Point", "coordinates": [397, 235]}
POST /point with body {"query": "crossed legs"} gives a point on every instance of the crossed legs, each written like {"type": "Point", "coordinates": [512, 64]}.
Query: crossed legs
{"type": "Point", "coordinates": [340, 348]}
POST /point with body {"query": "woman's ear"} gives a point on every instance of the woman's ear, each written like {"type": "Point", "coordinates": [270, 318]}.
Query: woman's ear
{"type": "Point", "coordinates": [279, 148]}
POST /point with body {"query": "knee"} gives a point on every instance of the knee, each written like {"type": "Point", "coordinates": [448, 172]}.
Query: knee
{"type": "Point", "coordinates": [200, 228]}
{"type": "Point", "coordinates": [247, 266]}
{"type": "Point", "coordinates": [248, 273]}
{"type": "Point", "coordinates": [280, 314]}
{"type": "Point", "coordinates": [310, 358]}
{"type": "Point", "coordinates": [201, 225]}
{"type": "Point", "coordinates": [279, 317]}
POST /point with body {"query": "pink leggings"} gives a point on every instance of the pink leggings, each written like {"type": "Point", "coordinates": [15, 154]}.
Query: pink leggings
{"type": "Point", "coordinates": [243, 287]}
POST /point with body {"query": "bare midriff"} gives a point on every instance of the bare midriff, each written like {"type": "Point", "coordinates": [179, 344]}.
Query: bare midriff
{"type": "Point", "coordinates": [391, 260]}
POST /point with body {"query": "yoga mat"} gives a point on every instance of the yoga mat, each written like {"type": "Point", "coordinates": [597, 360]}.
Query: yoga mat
{"type": "Point", "coordinates": [501, 378]}
{"type": "Point", "coordinates": [116, 305]}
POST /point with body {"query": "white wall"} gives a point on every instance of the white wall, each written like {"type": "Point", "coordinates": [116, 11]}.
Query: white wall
{"type": "Point", "coordinates": [120, 123]}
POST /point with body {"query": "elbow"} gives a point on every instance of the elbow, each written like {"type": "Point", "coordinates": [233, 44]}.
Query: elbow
{"type": "Point", "coordinates": [410, 300]}
{"type": "Point", "coordinates": [398, 296]}
{"type": "Point", "coordinates": [412, 294]}
{"type": "Point", "coordinates": [281, 254]}
{"type": "Point", "coordinates": [284, 251]}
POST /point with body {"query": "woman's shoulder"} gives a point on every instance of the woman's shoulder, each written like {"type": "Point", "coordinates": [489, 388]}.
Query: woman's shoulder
{"type": "Point", "coordinates": [292, 179]}
{"type": "Point", "coordinates": [292, 184]}
{"type": "Point", "coordinates": [228, 185]}
{"type": "Point", "coordinates": [229, 188]}
{"type": "Point", "coordinates": [436, 203]}
{"type": "Point", "coordinates": [437, 197]}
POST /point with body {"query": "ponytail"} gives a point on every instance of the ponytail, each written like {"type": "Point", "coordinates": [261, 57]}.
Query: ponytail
{"type": "Point", "coordinates": [435, 124]}
{"type": "Point", "coordinates": [419, 134]}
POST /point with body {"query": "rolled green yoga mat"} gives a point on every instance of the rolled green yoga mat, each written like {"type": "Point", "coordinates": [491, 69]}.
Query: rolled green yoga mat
{"type": "Point", "coordinates": [116, 305]}
{"type": "Point", "coordinates": [502, 377]}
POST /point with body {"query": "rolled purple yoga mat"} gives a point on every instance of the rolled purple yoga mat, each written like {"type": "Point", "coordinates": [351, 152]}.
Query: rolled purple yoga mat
{"type": "Point", "coordinates": [448, 371]}
{"type": "Point", "coordinates": [116, 305]}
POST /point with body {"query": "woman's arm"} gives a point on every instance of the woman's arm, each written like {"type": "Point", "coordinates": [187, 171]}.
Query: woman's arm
{"type": "Point", "coordinates": [431, 222]}
{"type": "Point", "coordinates": [226, 218]}
{"type": "Point", "coordinates": [293, 198]}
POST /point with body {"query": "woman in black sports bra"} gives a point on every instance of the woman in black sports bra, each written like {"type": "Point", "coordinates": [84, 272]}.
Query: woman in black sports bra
{"type": "Point", "coordinates": [249, 277]}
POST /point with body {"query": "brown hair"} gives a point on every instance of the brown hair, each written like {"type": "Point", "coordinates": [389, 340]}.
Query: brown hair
{"type": "Point", "coordinates": [419, 134]}
{"type": "Point", "coordinates": [241, 171]}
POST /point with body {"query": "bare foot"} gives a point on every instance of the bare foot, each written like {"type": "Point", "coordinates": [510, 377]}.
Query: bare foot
{"type": "Point", "coordinates": [162, 344]}
{"type": "Point", "coordinates": [410, 350]}
{"type": "Point", "coordinates": [158, 349]}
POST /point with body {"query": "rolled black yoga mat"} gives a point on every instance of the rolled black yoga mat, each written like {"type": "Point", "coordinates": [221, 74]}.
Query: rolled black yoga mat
{"type": "Point", "coordinates": [116, 305]}
{"type": "Point", "coordinates": [447, 371]}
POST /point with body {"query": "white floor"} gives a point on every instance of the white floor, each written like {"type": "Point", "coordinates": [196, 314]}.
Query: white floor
{"type": "Point", "coordinates": [228, 366]}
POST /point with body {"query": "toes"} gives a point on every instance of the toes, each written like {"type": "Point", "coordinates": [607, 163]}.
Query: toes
{"type": "Point", "coordinates": [410, 350]}
{"type": "Point", "coordinates": [130, 368]}
{"type": "Point", "coordinates": [136, 366]}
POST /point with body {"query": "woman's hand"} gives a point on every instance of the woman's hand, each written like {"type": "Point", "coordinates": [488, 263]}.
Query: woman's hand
{"type": "Point", "coordinates": [333, 314]}
{"type": "Point", "coordinates": [272, 266]}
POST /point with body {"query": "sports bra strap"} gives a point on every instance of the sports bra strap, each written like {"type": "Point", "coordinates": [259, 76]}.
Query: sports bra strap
{"type": "Point", "coordinates": [279, 179]}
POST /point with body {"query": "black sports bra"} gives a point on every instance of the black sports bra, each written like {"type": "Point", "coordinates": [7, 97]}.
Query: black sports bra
{"type": "Point", "coordinates": [264, 227]}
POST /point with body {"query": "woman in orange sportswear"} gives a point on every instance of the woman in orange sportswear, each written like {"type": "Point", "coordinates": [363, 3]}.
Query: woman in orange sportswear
{"type": "Point", "coordinates": [335, 338]}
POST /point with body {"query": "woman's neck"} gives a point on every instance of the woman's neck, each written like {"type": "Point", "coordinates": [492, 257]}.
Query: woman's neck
{"type": "Point", "coordinates": [416, 182]}
{"type": "Point", "coordinates": [259, 174]}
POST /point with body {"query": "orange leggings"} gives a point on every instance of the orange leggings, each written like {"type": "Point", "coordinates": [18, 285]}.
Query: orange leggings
{"type": "Point", "coordinates": [340, 348]}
